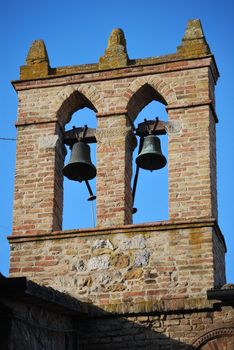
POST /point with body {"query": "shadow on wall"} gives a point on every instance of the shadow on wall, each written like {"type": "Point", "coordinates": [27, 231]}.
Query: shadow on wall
{"type": "Point", "coordinates": [143, 332]}
{"type": "Point", "coordinates": [38, 317]}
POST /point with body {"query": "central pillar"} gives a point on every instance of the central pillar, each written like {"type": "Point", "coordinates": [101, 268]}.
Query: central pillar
{"type": "Point", "coordinates": [115, 144]}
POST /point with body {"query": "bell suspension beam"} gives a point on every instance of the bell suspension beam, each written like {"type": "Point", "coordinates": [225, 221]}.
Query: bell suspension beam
{"type": "Point", "coordinates": [70, 136]}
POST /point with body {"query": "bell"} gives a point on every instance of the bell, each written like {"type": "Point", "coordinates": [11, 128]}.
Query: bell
{"type": "Point", "coordinates": [80, 167]}
{"type": "Point", "coordinates": [151, 157]}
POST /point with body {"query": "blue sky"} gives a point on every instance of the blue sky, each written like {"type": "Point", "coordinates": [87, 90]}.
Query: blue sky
{"type": "Point", "coordinates": [76, 32]}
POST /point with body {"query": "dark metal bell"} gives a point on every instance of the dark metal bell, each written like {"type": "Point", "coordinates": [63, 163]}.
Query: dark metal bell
{"type": "Point", "coordinates": [151, 157]}
{"type": "Point", "coordinates": [80, 168]}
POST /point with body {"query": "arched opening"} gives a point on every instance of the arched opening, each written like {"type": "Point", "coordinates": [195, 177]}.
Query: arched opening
{"type": "Point", "coordinates": [78, 212]}
{"type": "Point", "coordinates": [77, 111]}
{"type": "Point", "coordinates": [151, 197]}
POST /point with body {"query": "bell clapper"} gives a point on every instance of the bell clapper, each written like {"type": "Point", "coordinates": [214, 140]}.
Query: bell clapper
{"type": "Point", "coordinates": [92, 197]}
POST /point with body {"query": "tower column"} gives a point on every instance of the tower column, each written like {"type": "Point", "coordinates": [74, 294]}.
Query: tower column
{"type": "Point", "coordinates": [115, 144]}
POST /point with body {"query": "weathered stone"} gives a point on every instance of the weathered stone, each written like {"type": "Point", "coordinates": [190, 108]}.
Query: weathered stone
{"type": "Point", "coordinates": [79, 266]}
{"type": "Point", "coordinates": [37, 62]}
{"type": "Point", "coordinates": [120, 261]}
{"type": "Point", "coordinates": [174, 127]}
{"type": "Point", "coordinates": [134, 242]}
{"type": "Point", "coordinates": [37, 53]}
{"type": "Point", "coordinates": [101, 247]}
{"type": "Point", "coordinates": [133, 274]}
{"type": "Point", "coordinates": [104, 279]}
{"type": "Point", "coordinates": [142, 258]}
{"type": "Point", "coordinates": [48, 141]}
{"type": "Point", "coordinates": [116, 287]}
{"type": "Point", "coordinates": [86, 282]}
{"type": "Point", "coordinates": [116, 52]}
{"type": "Point", "coordinates": [99, 263]}
{"type": "Point", "coordinates": [102, 243]}
{"type": "Point", "coordinates": [194, 42]}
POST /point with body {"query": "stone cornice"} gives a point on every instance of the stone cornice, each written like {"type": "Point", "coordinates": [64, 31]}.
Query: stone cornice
{"type": "Point", "coordinates": [169, 225]}
{"type": "Point", "coordinates": [147, 66]}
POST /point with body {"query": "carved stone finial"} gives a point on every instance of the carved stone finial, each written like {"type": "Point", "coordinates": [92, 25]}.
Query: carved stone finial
{"type": "Point", "coordinates": [37, 62]}
{"type": "Point", "coordinates": [37, 53]}
{"type": "Point", "coordinates": [194, 42]}
{"type": "Point", "coordinates": [116, 52]}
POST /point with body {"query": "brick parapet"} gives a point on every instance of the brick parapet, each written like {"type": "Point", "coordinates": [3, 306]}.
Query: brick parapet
{"type": "Point", "coordinates": [119, 73]}
{"type": "Point", "coordinates": [167, 225]}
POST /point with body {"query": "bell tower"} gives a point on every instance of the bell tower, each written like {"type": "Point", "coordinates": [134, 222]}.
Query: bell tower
{"type": "Point", "coordinates": [142, 272]}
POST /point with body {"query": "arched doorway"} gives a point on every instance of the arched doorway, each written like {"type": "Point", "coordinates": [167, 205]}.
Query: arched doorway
{"type": "Point", "coordinates": [217, 339]}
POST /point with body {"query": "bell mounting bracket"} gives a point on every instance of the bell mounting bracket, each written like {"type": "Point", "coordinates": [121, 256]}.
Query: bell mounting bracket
{"type": "Point", "coordinates": [88, 135]}
{"type": "Point", "coordinates": [80, 133]}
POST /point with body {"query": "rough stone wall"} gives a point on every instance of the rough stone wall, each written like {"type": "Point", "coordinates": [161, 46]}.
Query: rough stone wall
{"type": "Point", "coordinates": [129, 266]}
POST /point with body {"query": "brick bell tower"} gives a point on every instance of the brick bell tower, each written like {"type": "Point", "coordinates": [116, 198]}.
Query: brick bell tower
{"type": "Point", "coordinates": [152, 277]}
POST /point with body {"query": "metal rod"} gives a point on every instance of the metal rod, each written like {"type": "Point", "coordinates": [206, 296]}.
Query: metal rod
{"type": "Point", "coordinates": [134, 210]}
{"type": "Point", "coordinates": [92, 197]}
{"type": "Point", "coordinates": [93, 218]}
{"type": "Point", "coordinates": [147, 125]}
{"type": "Point", "coordinates": [84, 131]}
{"type": "Point", "coordinates": [7, 139]}
{"type": "Point", "coordinates": [155, 124]}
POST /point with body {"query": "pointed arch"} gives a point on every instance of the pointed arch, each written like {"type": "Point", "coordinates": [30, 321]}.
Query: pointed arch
{"type": "Point", "coordinates": [71, 99]}
{"type": "Point", "coordinates": [214, 335]}
{"type": "Point", "coordinates": [143, 90]}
